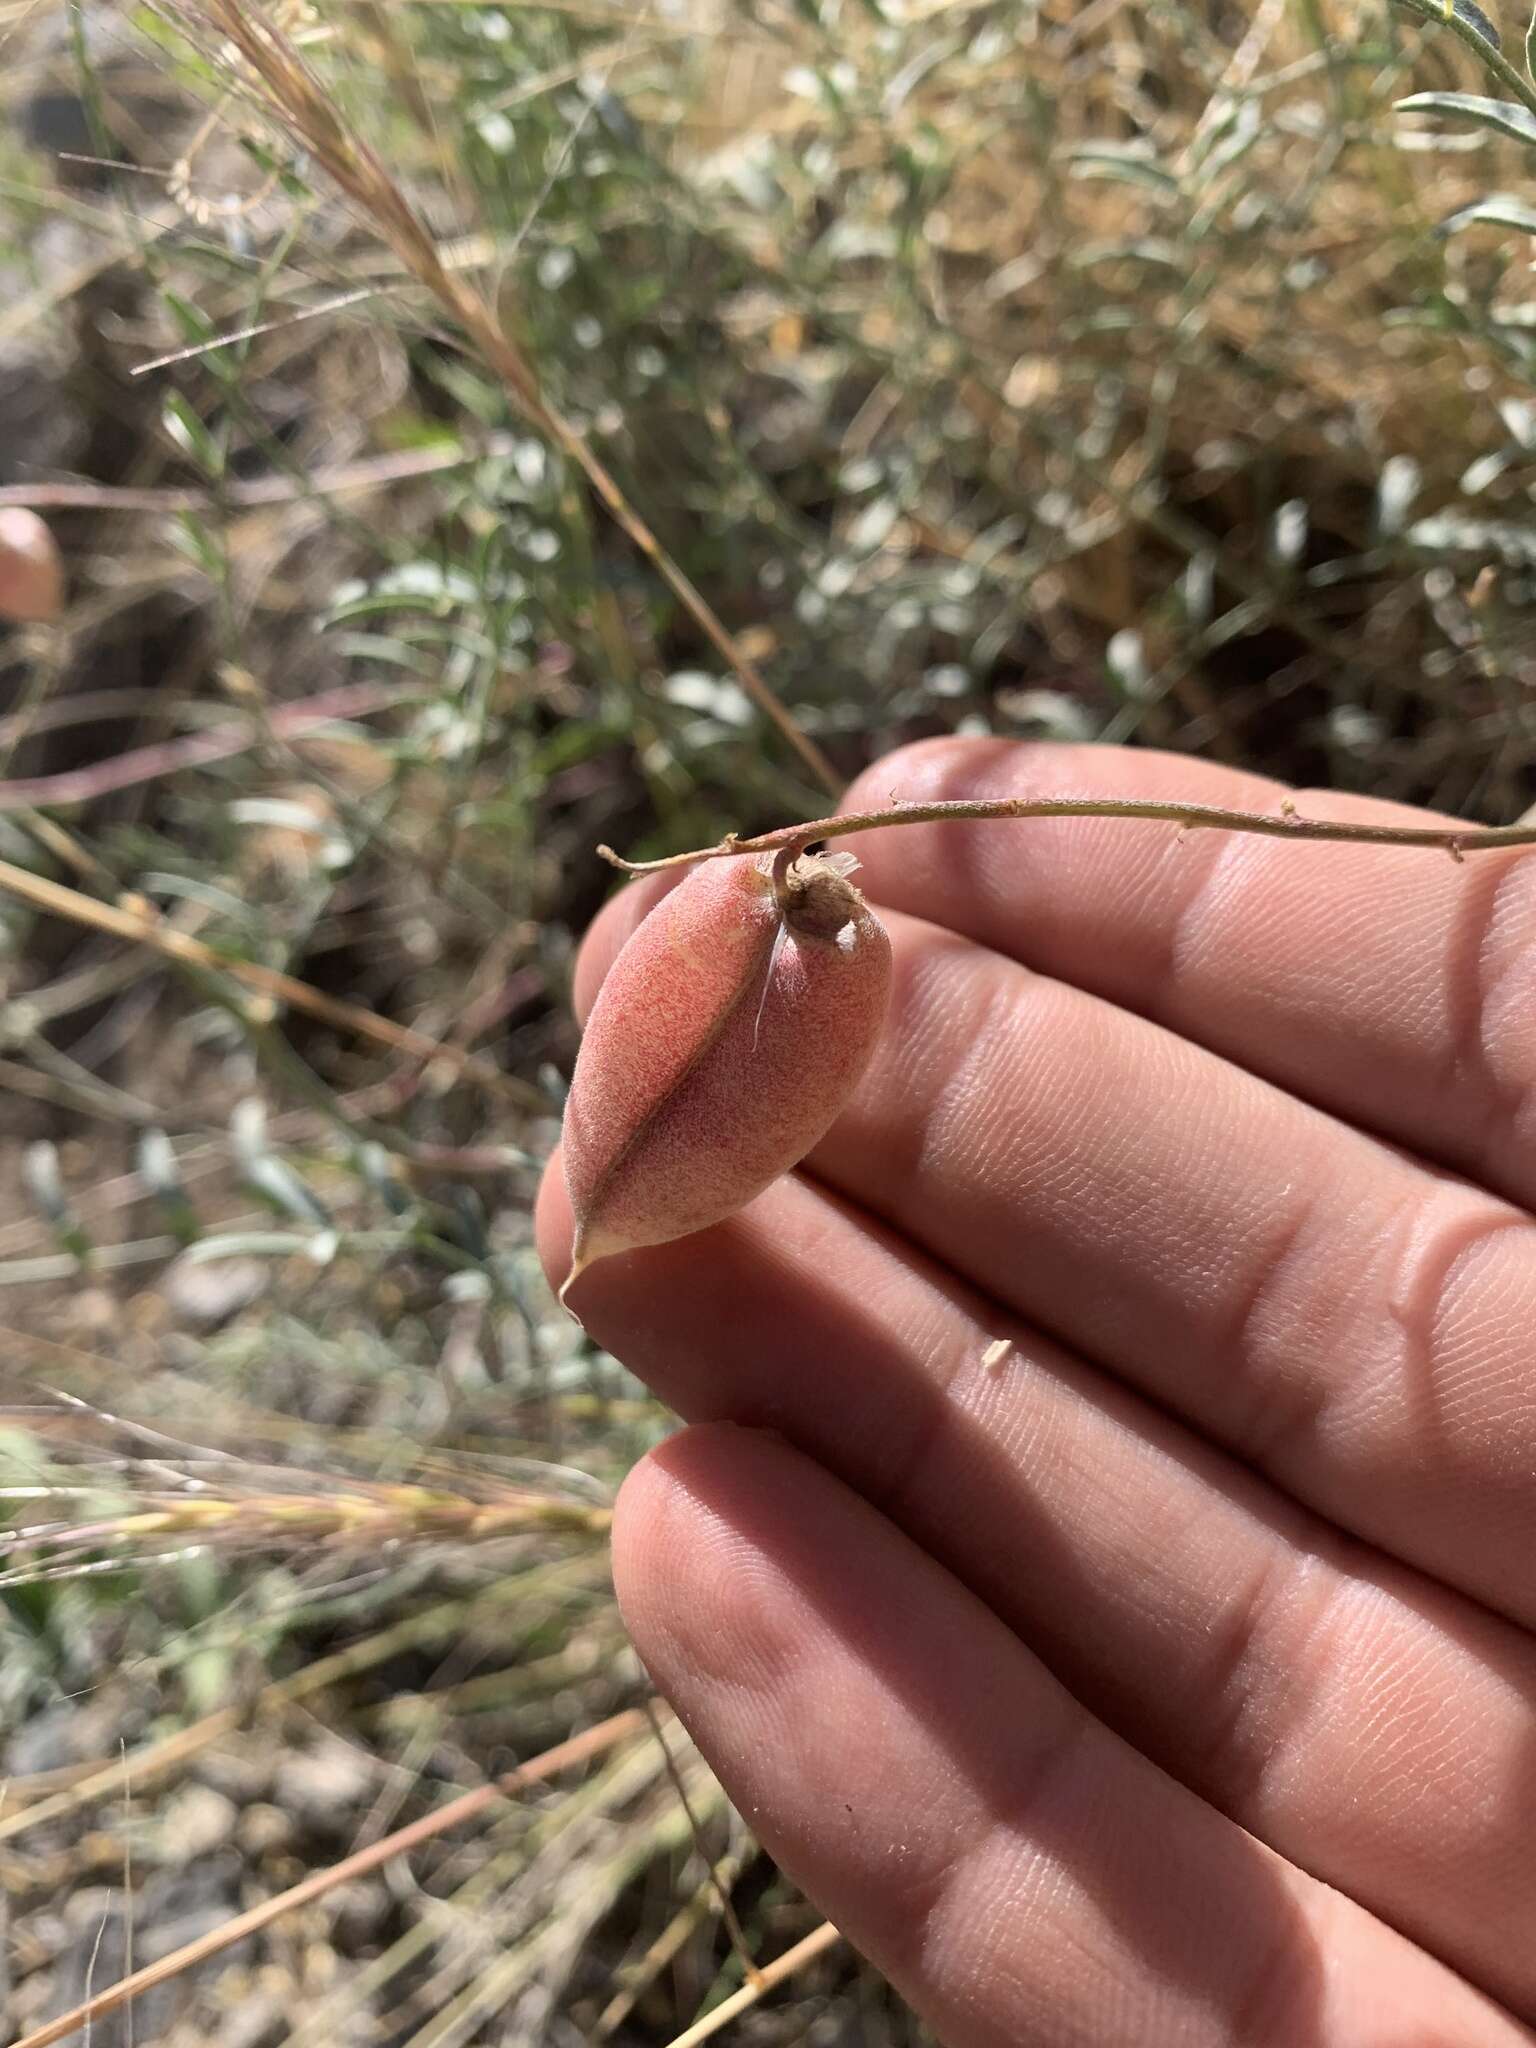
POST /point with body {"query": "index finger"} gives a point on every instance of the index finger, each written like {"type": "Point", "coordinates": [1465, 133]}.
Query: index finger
{"type": "Point", "coordinates": [1388, 985]}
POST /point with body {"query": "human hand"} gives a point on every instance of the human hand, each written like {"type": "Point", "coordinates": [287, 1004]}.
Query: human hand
{"type": "Point", "coordinates": [1172, 1681]}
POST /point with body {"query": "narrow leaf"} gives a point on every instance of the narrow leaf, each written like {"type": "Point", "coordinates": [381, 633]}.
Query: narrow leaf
{"type": "Point", "coordinates": [1465, 11]}
{"type": "Point", "coordinates": [1476, 20]}
{"type": "Point", "coordinates": [1499, 209]}
{"type": "Point", "coordinates": [1508, 117]}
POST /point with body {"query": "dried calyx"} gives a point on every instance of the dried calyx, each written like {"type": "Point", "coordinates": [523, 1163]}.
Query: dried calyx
{"type": "Point", "coordinates": [814, 893]}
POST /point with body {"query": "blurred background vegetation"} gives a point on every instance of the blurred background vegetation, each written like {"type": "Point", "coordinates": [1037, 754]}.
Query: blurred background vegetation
{"type": "Point", "coordinates": [1136, 371]}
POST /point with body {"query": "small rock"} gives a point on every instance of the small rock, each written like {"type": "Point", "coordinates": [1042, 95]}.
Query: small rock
{"type": "Point", "coordinates": [265, 1830]}
{"type": "Point", "coordinates": [209, 1293]}
{"type": "Point", "coordinates": [241, 1773]}
{"type": "Point", "coordinates": [324, 1788]}
{"type": "Point", "coordinates": [70, 1732]}
{"type": "Point", "coordinates": [260, 2020]}
{"type": "Point", "coordinates": [195, 1821]}
{"type": "Point", "coordinates": [358, 1912]}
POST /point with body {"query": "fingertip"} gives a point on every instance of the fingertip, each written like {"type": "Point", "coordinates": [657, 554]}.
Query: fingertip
{"type": "Point", "coordinates": [696, 1534]}
{"type": "Point", "coordinates": [650, 1529]}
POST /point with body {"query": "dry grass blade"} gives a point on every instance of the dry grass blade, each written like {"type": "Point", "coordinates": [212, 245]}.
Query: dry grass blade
{"type": "Point", "coordinates": [816, 1943]}
{"type": "Point", "coordinates": [155, 1759]}
{"type": "Point", "coordinates": [293, 94]}
{"type": "Point", "coordinates": [192, 750]}
{"type": "Point", "coordinates": [373, 473]}
{"type": "Point", "coordinates": [101, 1780]}
{"type": "Point", "coordinates": [578, 1749]}
{"type": "Point", "coordinates": [381, 1514]}
{"type": "Point", "coordinates": [142, 924]}
{"type": "Point", "coordinates": [733, 1926]}
{"type": "Point", "coordinates": [641, 1975]}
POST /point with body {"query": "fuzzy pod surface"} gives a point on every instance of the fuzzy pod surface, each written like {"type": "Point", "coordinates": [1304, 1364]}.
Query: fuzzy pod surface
{"type": "Point", "coordinates": [728, 1034]}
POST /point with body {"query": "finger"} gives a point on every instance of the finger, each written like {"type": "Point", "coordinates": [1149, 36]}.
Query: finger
{"type": "Point", "coordinates": [1017, 1871]}
{"type": "Point", "coordinates": [1356, 1326]}
{"type": "Point", "coordinates": [1357, 1718]}
{"type": "Point", "coordinates": [1389, 985]}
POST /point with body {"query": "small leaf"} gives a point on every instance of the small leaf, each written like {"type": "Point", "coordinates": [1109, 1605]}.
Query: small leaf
{"type": "Point", "coordinates": [1444, 533]}
{"type": "Point", "coordinates": [1197, 589]}
{"type": "Point", "coordinates": [1288, 534]}
{"type": "Point", "coordinates": [267, 1175]}
{"type": "Point", "coordinates": [1486, 470]}
{"type": "Point", "coordinates": [43, 1181]}
{"type": "Point", "coordinates": [45, 1184]}
{"type": "Point", "coordinates": [1499, 209]}
{"type": "Point", "coordinates": [1126, 163]}
{"type": "Point", "coordinates": [1465, 11]}
{"type": "Point", "coordinates": [161, 1175]}
{"type": "Point", "coordinates": [377, 1169]}
{"type": "Point", "coordinates": [1396, 489]}
{"type": "Point", "coordinates": [192, 436]}
{"type": "Point", "coordinates": [1507, 117]}
{"type": "Point", "coordinates": [1126, 659]}
{"type": "Point", "coordinates": [1229, 137]}
{"type": "Point", "coordinates": [1474, 18]}
{"type": "Point", "coordinates": [247, 1244]}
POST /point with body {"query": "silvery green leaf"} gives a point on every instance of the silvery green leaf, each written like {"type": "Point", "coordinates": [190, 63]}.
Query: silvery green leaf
{"type": "Point", "coordinates": [1475, 19]}
{"type": "Point", "coordinates": [1288, 533]}
{"type": "Point", "coordinates": [1445, 533]}
{"type": "Point", "coordinates": [1487, 469]}
{"type": "Point", "coordinates": [1465, 11]}
{"type": "Point", "coordinates": [377, 1169]}
{"type": "Point", "coordinates": [717, 697]}
{"type": "Point", "coordinates": [43, 1180]}
{"type": "Point", "coordinates": [1197, 588]}
{"type": "Point", "coordinates": [870, 528]}
{"type": "Point", "coordinates": [1125, 658]}
{"type": "Point", "coordinates": [1124, 164]}
{"type": "Point", "coordinates": [1498, 209]}
{"type": "Point", "coordinates": [1396, 489]}
{"type": "Point", "coordinates": [245, 1244]}
{"type": "Point", "coordinates": [282, 1189]}
{"type": "Point", "coordinates": [158, 1170]}
{"type": "Point", "coordinates": [1507, 117]}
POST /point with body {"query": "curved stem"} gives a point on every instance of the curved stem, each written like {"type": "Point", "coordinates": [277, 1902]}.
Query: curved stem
{"type": "Point", "coordinates": [1443, 15]}
{"type": "Point", "coordinates": [1287, 823]}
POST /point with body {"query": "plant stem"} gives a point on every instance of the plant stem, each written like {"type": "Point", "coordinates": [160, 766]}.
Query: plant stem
{"type": "Point", "coordinates": [1287, 823]}
{"type": "Point", "coordinates": [1491, 59]}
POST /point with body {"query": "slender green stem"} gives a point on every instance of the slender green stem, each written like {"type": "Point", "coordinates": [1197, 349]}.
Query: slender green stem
{"type": "Point", "coordinates": [1491, 59]}
{"type": "Point", "coordinates": [1286, 823]}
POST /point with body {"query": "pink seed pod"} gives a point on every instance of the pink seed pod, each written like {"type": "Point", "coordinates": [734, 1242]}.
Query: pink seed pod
{"type": "Point", "coordinates": [31, 569]}
{"type": "Point", "coordinates": [727, 1036]}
